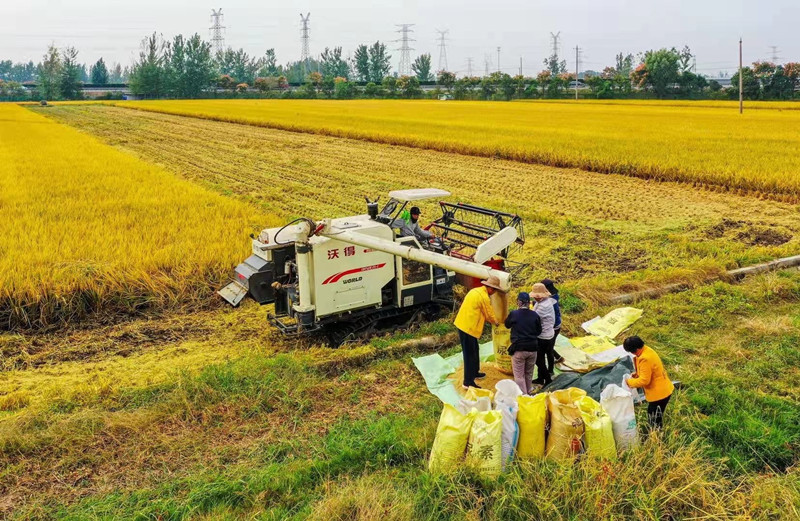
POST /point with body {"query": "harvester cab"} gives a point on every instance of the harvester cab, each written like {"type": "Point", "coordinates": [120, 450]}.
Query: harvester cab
{"type": "Point", "coordinates": [350, 277]}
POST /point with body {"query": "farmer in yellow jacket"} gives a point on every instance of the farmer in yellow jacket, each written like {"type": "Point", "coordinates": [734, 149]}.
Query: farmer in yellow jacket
{"type": "Point", "coordinates": [474, 312]}
{"type": "Point", "coordinates": [650, 376]}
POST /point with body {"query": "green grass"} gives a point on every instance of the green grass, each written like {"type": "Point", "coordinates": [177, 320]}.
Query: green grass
{"type": "Point", "coordinates": [278, 436]}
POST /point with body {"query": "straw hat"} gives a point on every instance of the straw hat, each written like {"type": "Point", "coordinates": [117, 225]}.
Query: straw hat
{"type": "Point", "coordinates": [493, 282]}
{"type": "Point", "coordinates": [539, 291]}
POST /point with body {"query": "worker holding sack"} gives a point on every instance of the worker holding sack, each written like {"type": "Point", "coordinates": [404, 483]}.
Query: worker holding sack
{"type": "Point", "coordinates": [650, 376]}
{"type": "Point", "coordinates": [473, 314]}
{"type": "Point", "coordinates": [525, 326]}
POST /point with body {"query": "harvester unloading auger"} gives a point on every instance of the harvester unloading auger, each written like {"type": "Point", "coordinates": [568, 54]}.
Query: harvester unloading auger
{"type": "Point", "coordinates": [350, 277]}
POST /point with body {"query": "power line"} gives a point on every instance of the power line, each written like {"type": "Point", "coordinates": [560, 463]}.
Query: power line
{"type": "Point", "coordinates": [305, 53]}
{"type": "Point", "coordinates": [442, 49]}
{"type": "Point", "coordinates": [217, 30]}
{"type": "Point", "coordinates": [405, 51]}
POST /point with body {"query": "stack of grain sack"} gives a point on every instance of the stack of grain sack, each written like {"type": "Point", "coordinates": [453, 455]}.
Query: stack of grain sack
{"type": "Point", "coordinates": [488, 429]}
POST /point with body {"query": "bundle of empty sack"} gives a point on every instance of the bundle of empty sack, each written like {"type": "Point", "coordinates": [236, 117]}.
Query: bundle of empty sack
{"type": "Point", "coordinates": [489, 429]}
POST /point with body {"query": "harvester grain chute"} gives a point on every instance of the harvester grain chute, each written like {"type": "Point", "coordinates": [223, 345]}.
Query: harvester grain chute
{"type": "Point", "coordinates": [350, 277]}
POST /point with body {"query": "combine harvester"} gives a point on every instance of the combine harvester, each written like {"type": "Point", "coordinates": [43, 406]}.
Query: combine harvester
{"type": "Point", "coordinates": [351, 277]}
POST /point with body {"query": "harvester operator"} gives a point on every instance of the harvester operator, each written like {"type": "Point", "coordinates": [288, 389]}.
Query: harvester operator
{"type": "Point", "coordinates": [473, 314]}
{"type": "Point", "coordinates": [411, 227]}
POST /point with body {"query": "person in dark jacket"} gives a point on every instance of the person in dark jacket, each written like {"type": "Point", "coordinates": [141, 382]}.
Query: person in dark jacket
{"type": "Point", "coordinates": [551, 287]}
{"type": "Point", "coordinates": [525, 326]}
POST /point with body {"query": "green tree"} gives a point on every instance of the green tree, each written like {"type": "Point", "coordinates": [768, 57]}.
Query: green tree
{"type": "Point", "coordinates": [343, 89]}
{"type": "Point", "coordinates": [115, 75]}
{"type": "Point", "coordinates": [390, 84]}
{"type": "Point", "coordinates": [624, 64]}
{"type": "Point", "coordinates": [332, 63]}
{"type": "Point", "coordinates": [446, 80]}
{"type": "Point", "coordinates": [50, 74]}
{"type": "Point", "coordinates": [238, 64]}
{"type": "Point", "coordinates": [409, 86]}
{"type": "Point", "coordinates": [371, 90]}
{"type": "Point", "coordinates": [190, 66]}
{"type": "Point", "coordinates": [380, 62]}
{"type": "Point", "coordinates": [422, 67]}
{"type": "Point", "coordinates": [99, 73]}
{"type": "Point", "coordinates": [269, 65]}
{"type": "Point", "coordinates": [751, 88]}
{"type": "Point", "coordinates": [148, 77]}
{"type": "Point", "coordinates": [361, 64]}
{"type": "Point", "coordinates": [661, 71]}
{"type": "Point", "coordinates": [70, 80]}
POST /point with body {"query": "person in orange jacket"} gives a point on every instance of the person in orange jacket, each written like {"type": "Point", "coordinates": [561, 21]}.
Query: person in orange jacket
{"type": "Point", "coordinates": [475, 311]}
{"type": "Point", "coordinates": [650, 376]}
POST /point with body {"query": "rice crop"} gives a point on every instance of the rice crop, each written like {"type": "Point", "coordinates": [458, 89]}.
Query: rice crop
{"type": "Point", "coordinates": [609, 233]}
{"type": "Point", "coordinates": [87, 228]}
{"type": "Point", "coordinates": [703, 145]}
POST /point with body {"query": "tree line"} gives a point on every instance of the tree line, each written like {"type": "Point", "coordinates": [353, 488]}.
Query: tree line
{"type": "Point", "coordinates": [188, 68]}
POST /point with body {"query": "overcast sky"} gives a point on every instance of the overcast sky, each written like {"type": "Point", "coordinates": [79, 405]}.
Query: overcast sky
{"type": "Point", "coordinates": [113, 29]}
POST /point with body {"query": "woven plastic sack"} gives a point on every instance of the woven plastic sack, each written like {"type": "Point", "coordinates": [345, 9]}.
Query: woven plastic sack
{"type": "Point", "coordinates": [566, 424]}
{"type": "Point", "coordinates": [614, 322]}
{"type": "Point", "coordinates": [598, 432]}
{"type": "Point", "coordinates": [532, 420]}
{"type": "Point", "coordinates": [473, 393]}
{"type": "Point", "coordinates": [482, 404]}
{"type": "Point", "coordinates": [618, 403]}
{"type": "Point", "coordinates": [452, 436]}
{"type": "Point", "coordinates": [485, 447]}
{"type": "Point", "coordinates": [501, 338]}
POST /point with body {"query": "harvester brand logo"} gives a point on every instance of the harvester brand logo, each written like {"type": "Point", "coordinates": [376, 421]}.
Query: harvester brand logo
{"type": "Point", "coordinates": [338, 276]}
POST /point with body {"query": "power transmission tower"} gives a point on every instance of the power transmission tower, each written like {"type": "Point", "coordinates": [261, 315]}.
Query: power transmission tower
{"type": "Point", "coordinates": [469, 67]}
{"type": "Point", "coordinates": [305, 38]}
{"type": "Point", "coordinates": [405, 51]}
{"type": "Point", "coordinates": [498, 58]}
{"type": "Point", "coordinates": [554, 38]}
{"type": "Point", "coordinates": [487, 60]}
{"type": "Point", "coordinates": [774, 55]}
{"type": "Point", "coordinates": [520, 66]}
{"type": "Point", "coordinates": [217, 31]}
{"type": "Point", "coordinates": [442, 49]}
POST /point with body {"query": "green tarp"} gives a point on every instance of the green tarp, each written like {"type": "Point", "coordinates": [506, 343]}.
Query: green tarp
{"type": "Point", "coordinates": [435, 370]}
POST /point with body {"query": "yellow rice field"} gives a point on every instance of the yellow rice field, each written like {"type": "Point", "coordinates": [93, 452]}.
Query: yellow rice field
{"type": "Point", "coordinates": [704, 145]}
{"type": "Point", "coordinates": [86, 227]}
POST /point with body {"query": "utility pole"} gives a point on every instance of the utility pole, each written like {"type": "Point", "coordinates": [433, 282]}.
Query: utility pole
{"type": "Point", "coordinates": [486, 61]}
{"type": "Point", "coordinates": [520, 66]}
{"type": "Point", "coordinates": [405, 51]}
{"type": "Point", "coordinates": [304, 39]}
{"type": "Point", "coordinates": [469, 67]}
{"type": "Point", "coordinates": [217, 31]}
{"type": "Point", "coordinates": [741, 83]}
{"type": "Point", "coordinates": [498, 58]}
{"type": "Point", "coordinates": [577, 69]}
{"type": "Point", "coordinates": [442, 49]}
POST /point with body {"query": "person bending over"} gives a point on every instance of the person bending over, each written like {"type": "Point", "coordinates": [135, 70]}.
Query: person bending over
{"type": "Point", "coordinates": [650, 376]}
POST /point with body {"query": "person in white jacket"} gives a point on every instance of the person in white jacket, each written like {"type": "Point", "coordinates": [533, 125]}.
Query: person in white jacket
{"type": "Point", "coordinates": [545, 308]}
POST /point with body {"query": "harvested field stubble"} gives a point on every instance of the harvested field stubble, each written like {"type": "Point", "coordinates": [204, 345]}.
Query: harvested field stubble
{"type": "Point", "coordinates": [696, 144]}
{"type": "Point", "coordinates": [87, 228]}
